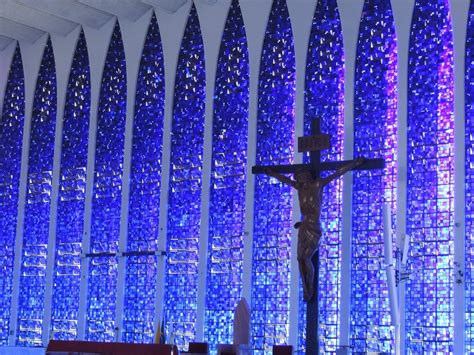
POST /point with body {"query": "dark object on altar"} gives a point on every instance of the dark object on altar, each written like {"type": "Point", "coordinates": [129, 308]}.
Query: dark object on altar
{"type": "Point", "coordinates": [197, 348]}
{"type": "Point", "coordinates": [282, 350]}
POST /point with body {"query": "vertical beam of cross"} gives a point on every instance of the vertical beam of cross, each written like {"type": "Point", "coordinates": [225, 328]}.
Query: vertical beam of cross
{"type": "Point", "coordinates": [312, 306]}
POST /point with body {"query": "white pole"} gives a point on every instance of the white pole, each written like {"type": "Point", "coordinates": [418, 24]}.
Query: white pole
{"type": "Point", "coordinates": [390, 271]}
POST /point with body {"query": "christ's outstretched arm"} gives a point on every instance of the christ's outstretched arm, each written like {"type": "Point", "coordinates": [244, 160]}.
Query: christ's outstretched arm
{"type": "Point", "coordinates": [282, 178]}
{"type": "Point", "coordinates": [343, 169]}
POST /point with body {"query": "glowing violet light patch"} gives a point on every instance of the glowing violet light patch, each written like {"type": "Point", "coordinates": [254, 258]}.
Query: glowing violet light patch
{"type": "Point", "coordinates": [71, 198]}
{"type": "Point", "coordinates": [273, 202]}
{"type": "Point", "coordinates": [469, 136]}
{"type": "Point", "coordinates": [430, 201]}
{"type": "Point", "coordinates": [38, 202]}
{"type": "Point", "coordinates": [375, 136]}
{"type": "Point", "coordinates": [324, 99]}
{"type": "Point", "coordinates": [11, 140]}
{"type": "Point", "coordinates": [107, 193]}
{"type": "Point", "coordinates": [145, 184]}
{"type": "Point", "coordinates": [184, 200]}
{"type": "Point", "coordinates": [228, 176]}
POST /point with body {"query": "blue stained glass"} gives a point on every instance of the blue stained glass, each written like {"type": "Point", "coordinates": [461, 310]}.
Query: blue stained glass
{"type": "Point", "coordinates": [324, 99]}
{"type": "Point", "coordinates": [145, 184]}
{"type": "Point", "coordinates": [375, 136]}
{"type": "Point", "coordinates": [228, 177]}
{"type": "Point", "coordinates": [72, 184]}
{"type": "Point", "coordinates": [37, 207]}
{"type": "Point", "coordinates": [469, 139]}
{"type": "Point", "coordinates": [273, 201]}
{"type": "Point", "coordinates": [430, 200]}
{"type": "Point", "coordinates": [11, 138]}
{"type": "Point", "coordinates": [107, 191]}
{"type": "Point", "coordinates": [184, 204]}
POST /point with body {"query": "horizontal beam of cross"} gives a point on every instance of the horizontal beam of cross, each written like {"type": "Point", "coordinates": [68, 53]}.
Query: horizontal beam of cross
{"type": "Point", "coordinates": [323, 166]}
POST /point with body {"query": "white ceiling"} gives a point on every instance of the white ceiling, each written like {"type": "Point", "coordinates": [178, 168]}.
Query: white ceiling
{"type": "Point", "coordinates": [28, 20]}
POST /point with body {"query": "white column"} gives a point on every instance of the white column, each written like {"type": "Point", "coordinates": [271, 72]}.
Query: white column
{"type": "Point", "coordinates": [402, 13]}
{"type": "Point", "coordinates": [301, 15]}
{"type": "Point", "coordinates": [459, 16]}
{"type": "Point", "coordinates": [97, 44]}
{"type": "Point", "coordinates": [350, 12]}
{"type": "Point", "coordinates": [133, 36]}
{"type": "Point", "coordinates": [212, 35]}
{"type": "Point", "coordinates": [63, 48]}
{"type": "Point", "coordinates": [6, 59]}
{"type": "Point", "coordinates": [31, 55]}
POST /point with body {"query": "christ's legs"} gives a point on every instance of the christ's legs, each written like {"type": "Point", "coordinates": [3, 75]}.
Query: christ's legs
{"type": "Point", "coordinates": [307, 277]}
{"type": "Point", "coordinates": [302, 267]}
{"type": "Point", "coordinates": [308, 242]}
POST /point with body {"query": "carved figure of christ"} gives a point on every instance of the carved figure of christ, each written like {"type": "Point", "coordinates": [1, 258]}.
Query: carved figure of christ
{"type": "Point", "coordinates": [310, 185]}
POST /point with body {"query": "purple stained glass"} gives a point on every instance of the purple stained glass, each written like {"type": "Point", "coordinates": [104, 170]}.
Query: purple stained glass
{"type": "Point", "coordinates": [469, 141]}
{"type": "Point", "coordinates": [145, 184]}
{"type": "Point", "coordinates": [107, 193]}
{"type": "Point", "coordinates": [11, 139]}
{"type": "Point", "coordinates": [273, 201]}
{"type": "Point", "coordinates": [324, 99]}
{"type": "Point", "coordinates": [430, 200]}
{"type": "Point", "coordinates": [72, 184]}
{"type": "Point", "coordinates": [228, 176]}
{"type": "Point", "coordinates": [375, 136]}
{"type": "Point", "coordinates": [38, 201]}
{"type": "Point", "coordinates": [184, 204]}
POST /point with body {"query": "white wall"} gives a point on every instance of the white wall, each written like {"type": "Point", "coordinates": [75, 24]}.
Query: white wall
{"type": "Point", "coordinates": [212, 17]}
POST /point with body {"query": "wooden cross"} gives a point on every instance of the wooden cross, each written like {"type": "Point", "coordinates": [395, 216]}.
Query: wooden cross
{"type": "Point", "coordinates": [314, 144]}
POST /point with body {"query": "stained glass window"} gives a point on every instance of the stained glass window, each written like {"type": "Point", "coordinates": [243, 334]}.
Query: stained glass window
{"type": "Point", "coordinates": [429, 296]}
{"type": "Point", "coordinates": [107, 192]}
{"type": "Point", "coordinates": [324, 99]}
{"type": "Point", "coordinates": [375, 136]}
{"type": "Point", "coordinates": [11, 138]}
{"type": "Point", "coordinates": [184, 205]}
{"type": "Point", "coordinates": [228, 175]}
{"type": "Point", "coordinates": [145, 184]}
{"type": "Point", "coordinates": [470, 181]}
{"type": "Point", "coordinates": [72, 184]}
{"type": "Point", "coordinates": [37, 207]}
{"type": "Point", "coordinates": [273, 201]}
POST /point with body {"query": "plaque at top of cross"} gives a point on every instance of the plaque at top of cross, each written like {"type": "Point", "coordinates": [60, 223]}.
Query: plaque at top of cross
{"type": "Point", "coordinates": [309, 184]}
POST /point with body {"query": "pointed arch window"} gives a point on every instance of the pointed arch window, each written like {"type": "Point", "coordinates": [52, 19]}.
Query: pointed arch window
{"type": "Point", "coordinates": [324, 99]}
{"type": "Point", "coordinates": [375, 136]}
{"type": "Point", "coordinates": [71, 198]}
{"type": "Point", "coordinates": [430, 179]}
{"type": "Point", "coordinates": [273, 201]}
{"type": "Point", "coordinates": [11, 141]}
{"type": "Point", "coordinates": [184, 201]}
{"type": "Point", "coordinates": [107, 194]}
{"type": "Point", "coordinates": [228, 181]}
{"type": "Point", "coordinates": [37, 208]}
{"type": "Point", "coordinates": [145, 185]}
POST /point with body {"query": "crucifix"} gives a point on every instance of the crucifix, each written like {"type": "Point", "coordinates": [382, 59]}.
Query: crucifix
{"type": "Point", "coordinates": [309, 184]}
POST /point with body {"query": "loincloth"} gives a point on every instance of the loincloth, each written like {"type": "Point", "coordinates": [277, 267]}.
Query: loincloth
{"type": "Point", "coordinates": [309, 236]}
